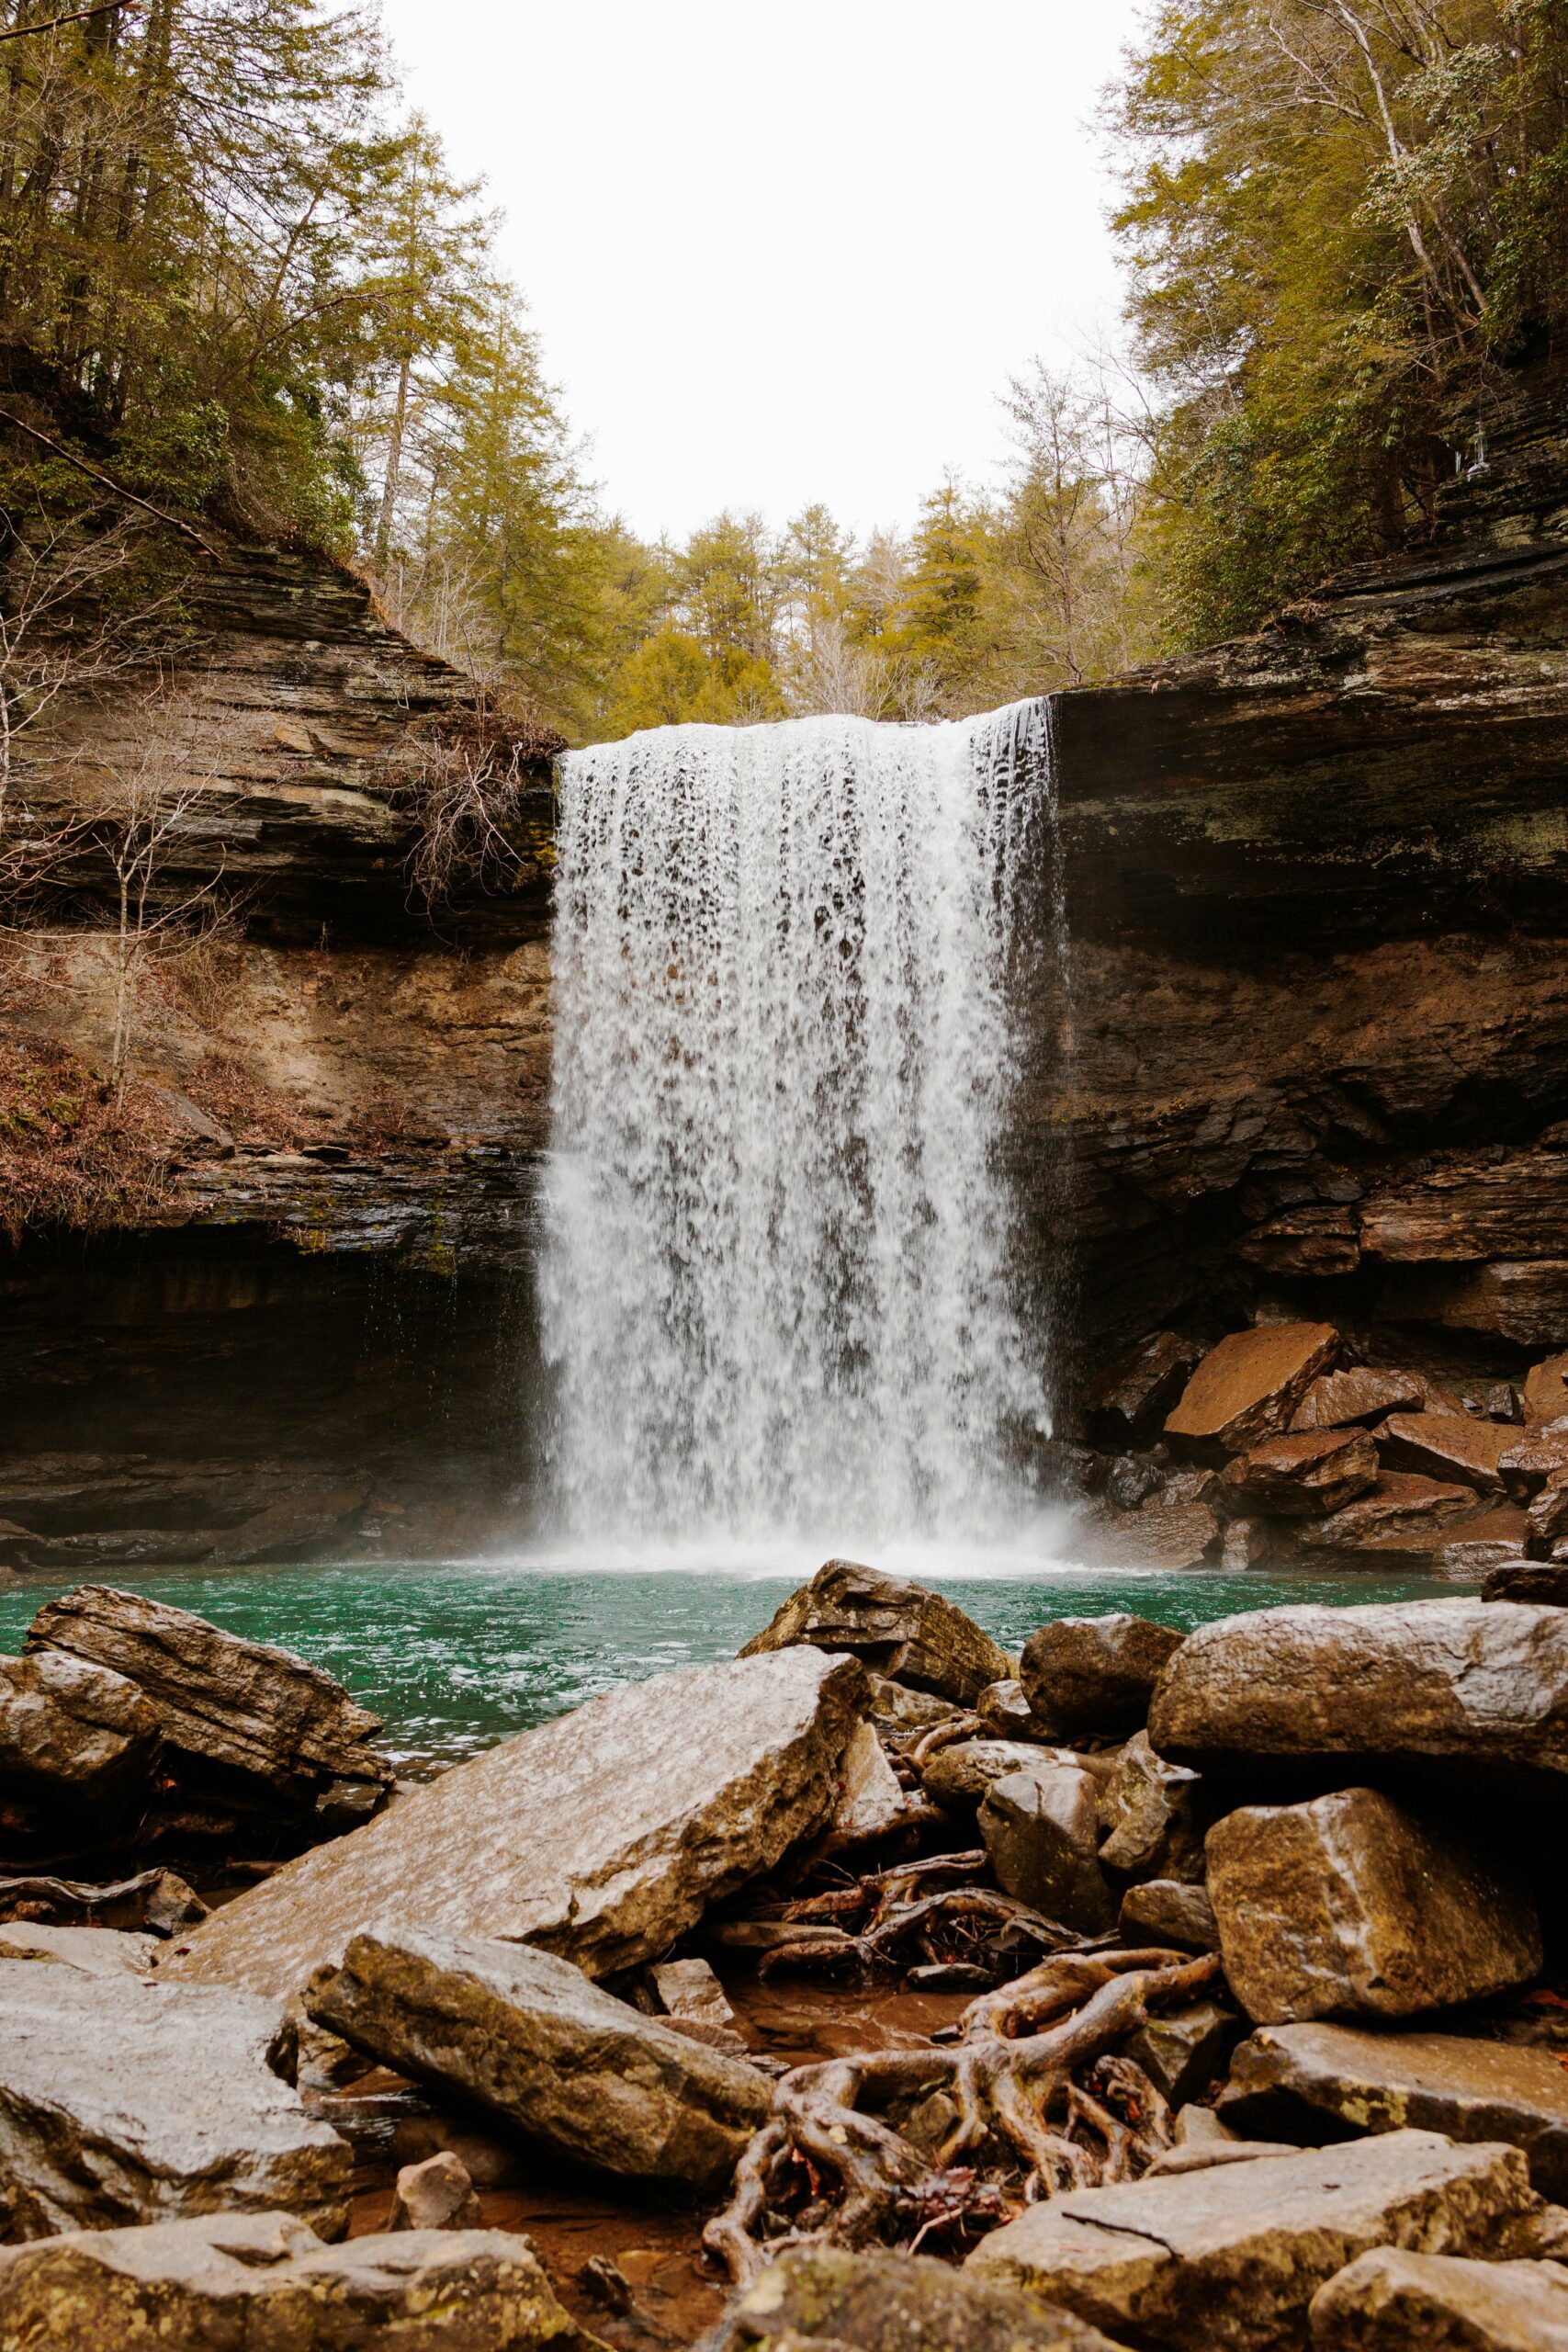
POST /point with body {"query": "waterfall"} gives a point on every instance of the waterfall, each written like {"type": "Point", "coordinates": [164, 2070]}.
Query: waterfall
{"type": "Point", "coordinates": [776, 1279]}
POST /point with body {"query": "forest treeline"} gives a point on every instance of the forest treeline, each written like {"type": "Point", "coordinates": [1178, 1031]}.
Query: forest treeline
{"type": "Point", "coordinates": [239, 280]}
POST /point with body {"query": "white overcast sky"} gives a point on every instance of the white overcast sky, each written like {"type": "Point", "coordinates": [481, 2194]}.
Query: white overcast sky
{"type": "Point", "coordinates": [791, 253]}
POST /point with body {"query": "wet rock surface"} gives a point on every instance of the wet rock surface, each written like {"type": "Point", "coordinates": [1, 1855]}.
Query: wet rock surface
{"type": "Point", "coordinates": [602, 1836]}
{"type": "Point", "coordinates": [1094, 1674]}
{"type": "Point", "coordinates": [1453, 1683]}
{"type": "Point", "coordinates": [265, 2279]}
{"type": "Point", "coordinates": [1249, 1385]}
{"type": "Point", "coordinates": [898, 1629]}
{"type": "Point", "coordinates": [124, 2102]}
{"type": "Point", "coordinates": [1233, 2257]}
{"type": "Point", "coordinates": [1353, 1906]}
{"type": "Point", "coordinates": [535, 2042]}
{"type": "Point", "coordinates": [887, 2303]}
{"type": "Point", "coordinates": [1394, 2301]}
{"type": "Point", "coordinates": [1041, 1828]}
{"type": "Point", "coordinates": [74, 1729]}
{"type": "Point", "coordinates": [1304, 1476]}
{"type": "Point", "coordinates": [1311, 2081]}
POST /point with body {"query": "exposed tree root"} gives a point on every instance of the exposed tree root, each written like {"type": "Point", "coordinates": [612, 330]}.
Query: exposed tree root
{"type": "Point", "coordinates": [929, 1911]}
{"type": "Point", "coordinates": [1039, 2102]}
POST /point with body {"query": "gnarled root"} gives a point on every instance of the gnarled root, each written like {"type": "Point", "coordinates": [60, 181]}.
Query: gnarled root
{"type": "Point", "coordinates": [1041, 2103]}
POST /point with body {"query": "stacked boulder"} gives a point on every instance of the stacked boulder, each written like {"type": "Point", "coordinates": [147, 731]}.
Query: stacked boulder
{"type": "Point", "coordinates": [1269, 1448]}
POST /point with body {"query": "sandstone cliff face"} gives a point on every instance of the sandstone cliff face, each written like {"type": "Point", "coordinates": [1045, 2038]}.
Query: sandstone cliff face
{"type": "Point", "coordinates": [1312, 1052]}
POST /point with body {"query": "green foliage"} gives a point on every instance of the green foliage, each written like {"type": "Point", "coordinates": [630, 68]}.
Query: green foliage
{"type": "Point", "coordinates": [1345, 218]}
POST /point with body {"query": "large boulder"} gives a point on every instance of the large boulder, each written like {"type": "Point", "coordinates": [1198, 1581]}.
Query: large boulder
{"type": "Point", "coordinates": [1168, 1911]}
{"type": "Point", "coordinates": [73, 1732]}
{"type": "Point", "coordinates": [1304, 1476]}
{"type": "Point", "coordinates": [1250, 1384]}
{"type": "Point", "coordinates": [1390, 2301]}
{"type": "Point", "coordinates": [1531, 1457]}
{"type": "Point", "coordinates": [1094, 1674]}
{"type": "Point", "coordinates": [1463, 1688]}
{"type": "Point", "coordinates": [1360, 1394]}
{"type": "Point", "coordinates": [1452, 1446]}
{"type": "Point", "coordinates": [251, 1719]}
{"type": "Point", "coordinates": [532, 2039]}
{"type": "Point", "coordinates": [1041, 1828]}
{"type": "Point", "coordinates": [1546, 1390]}
{"type": "Point", "coordinates": [960, 1775]}
{"type": "Point", "coordinates": [602, 1836]}
{"type": "Point", "coordinates": [1328, 2081]}
{"type": "Point", "coordinates": [1229, 2259]}
{"type": "Point", "coordinates": [902, 1630]}
{"type": "Point", "coordinates": [124, 2102]}
{"type": "Point", "coordinates": [266, 2282]}
{"type": "Point", "coordinates": [1403, 1511]}
{"type": "Point", "coordinates": [878, 2301]}
{"type": "Point", "coordinates": [1353, 1906]}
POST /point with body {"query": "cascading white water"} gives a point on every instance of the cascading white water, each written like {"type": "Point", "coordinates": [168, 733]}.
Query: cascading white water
{"type": "Point", "coordinates": [777, 1282]}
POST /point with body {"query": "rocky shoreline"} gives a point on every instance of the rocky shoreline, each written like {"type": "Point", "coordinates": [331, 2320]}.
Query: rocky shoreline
{"type": "Point", "coordinates": [876, 1988]}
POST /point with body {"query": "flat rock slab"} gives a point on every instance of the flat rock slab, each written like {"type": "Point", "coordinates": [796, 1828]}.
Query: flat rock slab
{"type": "Point", "coordinates": [1430, 1685]}
{"type": "Point", "coordinates": [243, 1707]}
{"type": "Point", "coordinates": [602, 1836]}
{"type": "Point", "coordinates": [122, 2102]}
{"type": "Point", "coordinates": [1306, 1475]}
{"type": "Point", "coordinates": [1250, 1384]}
{"type": "Point", "coordinates": [92, 1952]}
{"type": "Point", "coordinates": [1095, 1674]}
{"type": "Point", "coordinates": [1402, 1509]}
{"type": "Point", "coordinates": [960, 1775]}
{"type": "Point", "coordinates": [1229, 2259]}
{"type": "Point", "coordinates": [1354, 1906]}
{"type": "Point", "coordinates": [879, 2302]}
{"type": "Point", "coordinates": [1395, 2301]}
{"type": "Point", "coordinates": [1300, 2081]}
{"type": "Point", "coordinates": [262, 2280]}
{"type": "Point", "coordinates": [1447, 1445]}
{"type": "Point", "coordinates": [898, 1629]}
{"type": "Point", "coordinates": [1339, 1399]}
{"type": "Point", "coordinates": [533, 2040]}
{"type": "Point", "coordinates": [74, 1731]}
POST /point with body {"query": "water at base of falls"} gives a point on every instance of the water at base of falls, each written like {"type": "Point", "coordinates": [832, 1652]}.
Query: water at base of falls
{"type": "Point", "coordinates": [778, 1287]}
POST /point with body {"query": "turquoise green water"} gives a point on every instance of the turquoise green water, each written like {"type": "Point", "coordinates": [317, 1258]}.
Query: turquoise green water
{"type": "Point", "coordinates": [453, 1657]}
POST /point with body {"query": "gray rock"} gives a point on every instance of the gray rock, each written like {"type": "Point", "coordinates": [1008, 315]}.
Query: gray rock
{"type": "Point", "coordinates": [256, 1715]}
{"type": "Point", "coordinates": [1164, 1911]}
{"type": "Point", "coordinates": [1006, 1713]}
{"type": "Point", "coordinates": [125, 2102]}
{"type": "Point", "coordinates": [900, 1629]}
{"type": "Point", "coordinates": [267, 2283]}
{"type": "Point", "coordinates": [691, 1992]}
{"type": "Point", "coordinates": [960, 1775]}
{"type": "Point", "coordinates": [72, 1730]}
{"type": "Point", "coordinates": [1229, 2259]}
{"type": "Point", "coordinates": [1147, 1814]}
{"type": "Point", "coordinates": [602, 1836]}
{"type": "Point", "coordinates": [1094, 1674]}
{"type": "Point", "coordinates": [92, 1951]}
{"type": "Point", "coordinates": [1182, 2051]}
{"type": "Point", "coordinates": [1460, 1689]}
{"type": "Point", "coordinates": [1041, 1828]}
{"type": "Point", "coordinates": [1326, 2081]}
{"type": "Point", "coordinates": [1390, 2301]}
{"type": "Point", "coordinates": [878, 2302]}
{"type": "Point", "coordinates": [437, 2194]}
{"type": "Point", "coordinates": [531, 2038]}
{"type": "Point", "coordinates": [872, 1801]}
{"type": "Point", "coordinates": [1355, 1907]}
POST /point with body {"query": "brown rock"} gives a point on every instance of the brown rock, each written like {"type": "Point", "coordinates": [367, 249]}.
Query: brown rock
{"type": "Point", "coordinates": [1042, 1828]}
{"type": "Point", "coordinates": [1547, 1518]}
{"type": "Point", "coordinates": [1481, 1544]}
{"type": "Point", "coordinates": [603, 1835]}
{"type": "Point", "coordinates": [437, 2194]}
{"type": "Point", "coordinates": [1390, 2301]}
{"type": "Point", "coordinates": [1460, 1688]}
{"type": "Point", "coordinates": [960, 1775]}
{"type": "Point", "coordinates": [75, 1731]}
{"type": "Point", "coordinates": [264, 2281]}
{"type": "Point", "coordinates": [1249, 1385]}
{"type": "Point", "coordinates": [1146, 1812]}
{"type": "Point", "coordinates": [1546, 1390]}
{"type": "Point", "coordinates": [1339, 1399]}
{"type": "Point", "coordinates": [1181, 2051]}
{"type": "Point", "coordinates": [1355, 1907]}
{"type": "Point", "coordinates": [1164, 1911]}
{"type": "Point", "coordinates": [871, 1800]}
{"type": "Point", "coordinates": [1400, 1510]}
{"type": "Point", "coordinates": [1306, 1475]}
{"type": "Point", "coordinates": [1094, 1674]}
{"type": "Point", "coordinates": [1317, 2081]}
{"type": "Point", "coordinates": [1172, 1529]}
{"type": "Point", "coordinates": [1446, 1445]}
{"type": "Point", "coordinates": [533, 2041]}
{"type": "Point", "coordinates": [874, 2301]}
{"type": "Point", "coordinates": [1229, 2259]}
{"type": "Point", "coordinates": [900, 1629]}
{"type": "Point", "coordinates": [256, 1715]}
{"type": "Point", "coordinates": [1531, 1457]}
{"type": "Point", "coordinates": [1006, 1711]}
{"type": "Point", "coordinates": [1144, 1381]}
{"type": "Point", "coordinates": [1543, 1584]}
